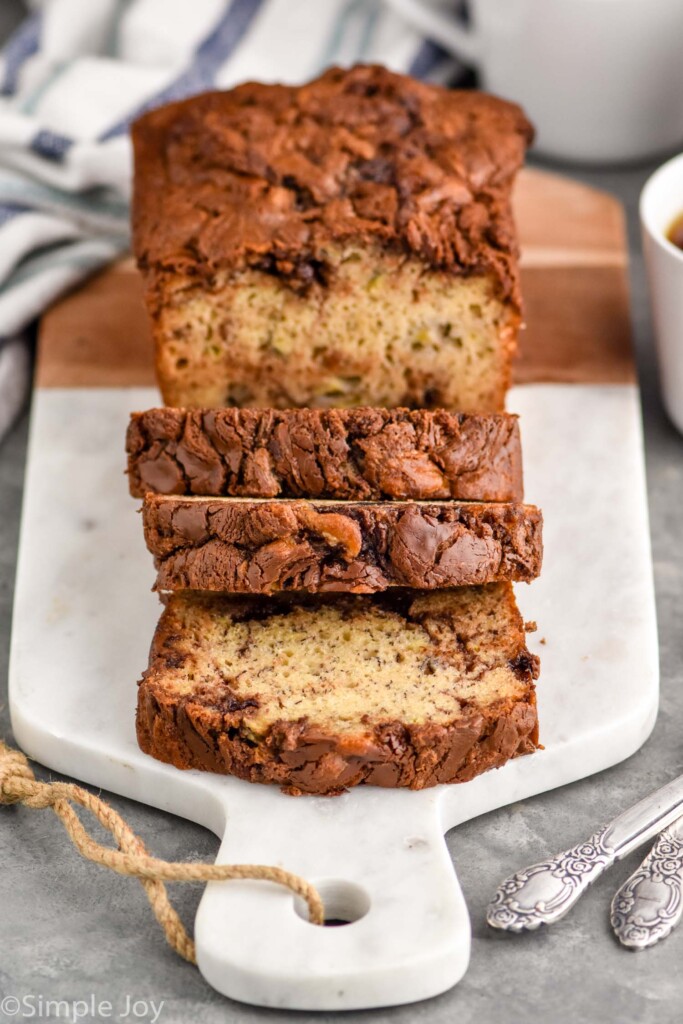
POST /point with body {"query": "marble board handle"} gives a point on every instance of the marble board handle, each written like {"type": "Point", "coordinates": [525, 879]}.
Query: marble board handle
{"type": "Point", "coordinates": [383, 866]}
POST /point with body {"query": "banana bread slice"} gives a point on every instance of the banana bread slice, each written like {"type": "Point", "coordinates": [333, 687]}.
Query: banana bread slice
{"type": "Point", "coordinates": [344, 243]}
{"type": "Point", "coordinates": [319, 694]}
{"type": "Point", "coordinates": [243, 545]}
{"type": "Point", "coordinates": [346, 454]}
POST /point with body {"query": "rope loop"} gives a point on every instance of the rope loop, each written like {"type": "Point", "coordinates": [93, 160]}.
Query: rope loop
{"type": "Point", "coordinates": [18, 785]}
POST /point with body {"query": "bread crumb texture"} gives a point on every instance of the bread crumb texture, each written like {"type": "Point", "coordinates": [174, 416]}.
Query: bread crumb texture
{"type": "Point", "coordinates": [383, 330]}
{"type": "Point", "coordinates": [319, 694]}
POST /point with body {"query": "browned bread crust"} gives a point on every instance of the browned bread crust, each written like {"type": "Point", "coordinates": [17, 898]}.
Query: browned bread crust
{"type": "Point", "coordinates": [240, 545]}
{"type": "Point", "coordinates": [457, 658]}
{"type": "Point", "coordinates": [267, 176]}
{"type": "Point", "coordinates": [343, 454]}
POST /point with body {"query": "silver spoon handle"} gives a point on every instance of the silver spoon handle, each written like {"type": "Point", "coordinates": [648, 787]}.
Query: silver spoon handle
{"type": "Point", "coordinates": [649, 904]}
{"type": "Point", "coordinates": [543, 893]}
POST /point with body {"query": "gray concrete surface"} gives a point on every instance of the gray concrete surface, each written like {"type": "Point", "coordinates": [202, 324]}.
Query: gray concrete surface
{"type": "Point", "coordinates": [70, 931]}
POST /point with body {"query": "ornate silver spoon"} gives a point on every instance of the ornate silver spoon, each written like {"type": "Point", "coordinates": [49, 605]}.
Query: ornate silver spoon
{"type": "Point", "coordinates": [543, 893]}
{"type": "Point", "coordinates": [649, 904]}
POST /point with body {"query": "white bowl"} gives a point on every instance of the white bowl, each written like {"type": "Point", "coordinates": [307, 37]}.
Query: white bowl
{"type": "Point", "coordinates": [661, 202]}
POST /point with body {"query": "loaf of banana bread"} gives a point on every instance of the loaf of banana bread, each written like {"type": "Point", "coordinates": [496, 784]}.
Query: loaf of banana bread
{"type": "Point", "coordinates": [345, 454]}
{"type": "Point", "coordinates": [319, 694]}
{"type": "Point", "coordinates": [242, 545]}
{"type": "Point", "coordinates": [347, 242]}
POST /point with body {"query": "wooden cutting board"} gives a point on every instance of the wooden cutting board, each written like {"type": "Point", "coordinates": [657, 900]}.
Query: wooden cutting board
{"type": "Point", "coordinates": [573, 279]}
{"type": "Point", "coordinates": [84, 616]}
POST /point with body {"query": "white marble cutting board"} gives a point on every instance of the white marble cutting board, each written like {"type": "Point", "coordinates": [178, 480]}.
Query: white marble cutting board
{"type": "Point", "coordinates": [83, 620]}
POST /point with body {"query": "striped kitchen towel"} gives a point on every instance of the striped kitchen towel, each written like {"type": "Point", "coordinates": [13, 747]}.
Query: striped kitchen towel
{"type": "Point", "coordinates": [77, 72]}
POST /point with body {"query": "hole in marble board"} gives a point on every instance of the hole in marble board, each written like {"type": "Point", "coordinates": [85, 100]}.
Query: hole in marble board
{"type": "Point", "coordinates": [344, 902]}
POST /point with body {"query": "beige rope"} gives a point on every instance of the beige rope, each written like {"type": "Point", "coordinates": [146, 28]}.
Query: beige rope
{"type": "Point", "coordinates": [18, 784]}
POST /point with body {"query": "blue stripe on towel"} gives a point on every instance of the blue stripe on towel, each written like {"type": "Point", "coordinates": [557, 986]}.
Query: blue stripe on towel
{"type": "Point", "coordinates": [208, 58]}
{"type": "Point", "coordinates": [50, 144]}
{"type": "Point", "coordinates": [229, 31]}
{"type": "Point", "coordinates": [429, 56]}
{"type": "Point", "coordinates": [8, 211]}
{"type": "Point", "coordinates": [22, 45]}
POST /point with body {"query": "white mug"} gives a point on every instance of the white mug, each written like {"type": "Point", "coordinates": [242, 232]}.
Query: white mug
{"type": "Point", "coordinates": [661, 203]}
{"type": "Point", "coordinates": [602, 80]}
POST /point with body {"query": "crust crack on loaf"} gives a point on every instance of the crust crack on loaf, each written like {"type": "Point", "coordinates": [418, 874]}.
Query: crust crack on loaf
{"type": "Point", "coordinates": [318, 694]}
{"type": "Point", "coordinates": [347, 242]}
